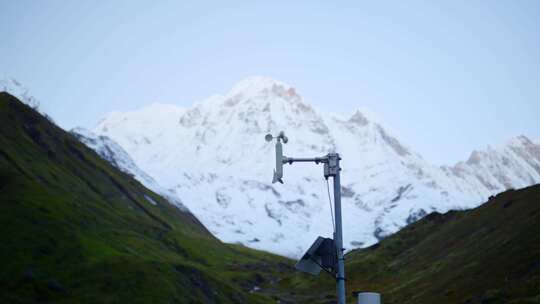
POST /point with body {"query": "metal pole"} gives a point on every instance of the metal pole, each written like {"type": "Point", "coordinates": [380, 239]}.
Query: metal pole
{"type": "Point", "coordinates": [340, 279]}
{"type": "Point", "coordinates": [295, 160]}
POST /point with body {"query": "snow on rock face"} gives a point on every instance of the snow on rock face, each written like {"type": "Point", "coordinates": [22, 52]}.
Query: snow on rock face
{"type": "Point", "coordinates": [515, 165]}
{"type": "Point", "coordinates": [118, 157]}
{"type": "Point", "coordinates": [214, 157]}
{"type": "Point", "coordinates": [15, 88]}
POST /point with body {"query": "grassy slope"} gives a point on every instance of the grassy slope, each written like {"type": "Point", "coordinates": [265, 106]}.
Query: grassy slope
{"type": "Point", "coordinates": [490, 254]}
{"type": "Point", "coordinates": [76, 230]}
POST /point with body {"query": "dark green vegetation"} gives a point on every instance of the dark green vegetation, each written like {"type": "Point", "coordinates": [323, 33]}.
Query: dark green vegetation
{"type": "Point", "coordinates": [487, 255]}
{"type": "Point", "coordinates": [77, 230]}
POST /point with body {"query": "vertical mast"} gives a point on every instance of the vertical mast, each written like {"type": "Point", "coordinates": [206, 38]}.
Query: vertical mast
{"type": "Point", "coordinates": [333, 170]}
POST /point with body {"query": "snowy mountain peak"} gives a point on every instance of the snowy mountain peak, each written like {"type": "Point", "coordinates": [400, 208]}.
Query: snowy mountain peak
{"type": "Point", "coordinates": [359, 118]}
{"type": "Point", "coordinates": [520, 141]}
{"type": "Point", "coordinates": [255, 86]}
{"type": "Point", "coordinates": [513, 165]}
{"type": "Point", "coordinates": [254, 106]}
{"type": "Point", "coordinates": [475, 157]}
{"type": "Point", "coordinates": [520, 145]}
{"type": "Point", "coordinates": [15, 88]}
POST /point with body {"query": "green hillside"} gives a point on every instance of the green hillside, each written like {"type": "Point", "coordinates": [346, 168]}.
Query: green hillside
{"type": "Point", "coordinates": [490, 254]}
{"type": "Point", "coordinates": [77, 230]}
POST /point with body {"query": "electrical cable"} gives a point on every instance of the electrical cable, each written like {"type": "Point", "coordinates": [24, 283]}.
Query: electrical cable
{"type": "Point", "coordinates": [330, 202]}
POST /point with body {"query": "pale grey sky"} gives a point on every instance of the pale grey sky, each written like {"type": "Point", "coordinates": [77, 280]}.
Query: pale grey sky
{"type": "Point", "coordinates": [447, 76]}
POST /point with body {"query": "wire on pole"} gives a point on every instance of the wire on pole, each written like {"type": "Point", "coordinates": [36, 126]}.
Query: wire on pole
{"type": "Point", "coordinates": [330, 202]}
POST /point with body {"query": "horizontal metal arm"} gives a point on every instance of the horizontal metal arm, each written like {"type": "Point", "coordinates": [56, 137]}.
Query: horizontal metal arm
{"type": "Point", "coordinates": [290, 160]}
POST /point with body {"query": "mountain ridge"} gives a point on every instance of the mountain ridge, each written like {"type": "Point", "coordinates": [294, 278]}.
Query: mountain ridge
{"type": "Point", "coordinates": [213, 152]}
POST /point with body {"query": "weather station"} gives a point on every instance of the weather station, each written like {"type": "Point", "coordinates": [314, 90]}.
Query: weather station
{"type": "Point", "coordinates": [325, 253]}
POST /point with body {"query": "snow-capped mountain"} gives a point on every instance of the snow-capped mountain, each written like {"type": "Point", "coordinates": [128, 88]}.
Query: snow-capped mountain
{"type": "Point", "coordinates": [214, 158]}
{"type": "Point", "coordinates": [15, 88]}
{"type": "Point", "coordinates": [514, 165]}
